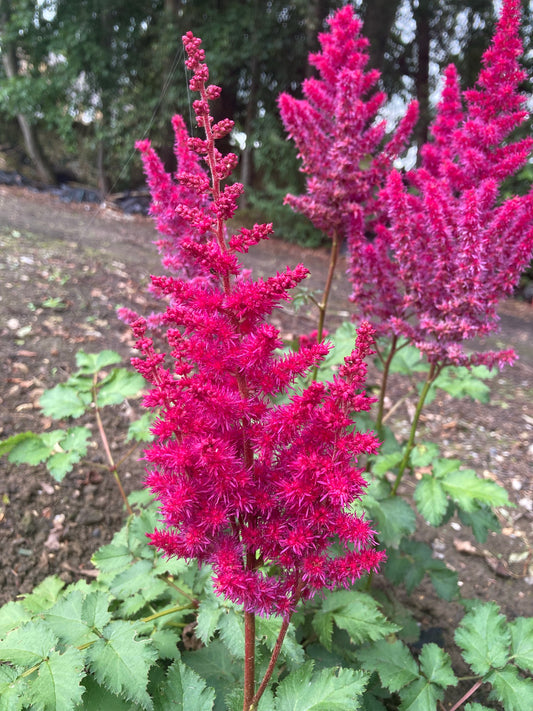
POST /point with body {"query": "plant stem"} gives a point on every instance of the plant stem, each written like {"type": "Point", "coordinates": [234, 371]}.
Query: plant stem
{"type": "Point", "coordinates": [327, 288]}
{"type": "Point", "coordinates": [384, 379]}
{"type": "Point", "coordinates": [169, 611]}
{"type": "Point", "coordinates": [107, 450]}
{"type": "Point", "coordinates": [467, 695]}
{"type": "Point", "coordinates": [433, 373]}
{"type": "Point", "coordinates": [249, 659]}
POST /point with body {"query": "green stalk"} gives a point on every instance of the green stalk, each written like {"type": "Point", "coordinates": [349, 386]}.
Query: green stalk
{"type": "Point", "coordinates": [433, 373]}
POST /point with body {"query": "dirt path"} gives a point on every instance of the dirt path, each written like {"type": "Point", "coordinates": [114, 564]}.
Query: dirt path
{"type": "Point", "coordinates": [64, 269]}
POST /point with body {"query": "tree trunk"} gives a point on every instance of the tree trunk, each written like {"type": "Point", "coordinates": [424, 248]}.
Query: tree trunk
{"type": "Point", "coordinates": [422, 15]}
{"type": "Point", "coordinates": [378, 19]}
{"type": "Point", "coordinates": [44, 171]}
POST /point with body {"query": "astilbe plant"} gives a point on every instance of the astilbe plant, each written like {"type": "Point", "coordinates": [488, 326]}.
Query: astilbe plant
{"type": "Point", "coordinates": [344, 148]}
{"type": "Point", "coordinates": [256, 489]}
{"type": "Point", "coordinates": [452, 246]}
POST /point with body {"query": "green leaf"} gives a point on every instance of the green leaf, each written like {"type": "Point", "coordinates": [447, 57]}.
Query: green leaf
{"type": "Point", "coordinates": [412, 562]}
{"type": "Point", "coordinates": [481, 520]}
{"type": "Point", "coordinates": [443, 580]}
{"type": "Point", "coordinates": [28, 644]}
{"type": "Point", "coordinates": [355, 612]}
{"type": "Point", "coordinates": [12, 615]}
{"type": "Point", "coordinates": [408, 360]}
{"type": "Point", "coordinates": [467, 490]}
{"type": "Point", "coordinates": [431, 499]}
{"type": "Point", "coordinates": [393, 518]}
{"type": "Point", "coordinates": [134, 578]}
{"type": "Point", "coordinates": [421, 695]}
{"type": "Point", "coordinates": [484, 637]}
{"type": "Point", "coordinates": [31, 450]}
{"type": "Point", "coordinates": [91, 363]}
{"type": "Point", "coordinates": [57, 684]}
{"type": "Point", "coordinates": [209, 612]}
{"type": "Point", "coordinates": [423, 454]}
{"type": "Point", "coordinates": [8, 444]}
{"type": "Point", "coordinates": [121, 662]}
{"type": "Point", "coordinates": [231, 627]}
{"type": "Point", "coordinates": [119, 385]}
{"type": "Point", "coordinates": [112, 558]}
{"type": "Point", "coordinates": [184, 690]}
{"type": "Point", "coordinates": [436, 665]}
{"type": "Point", "coordinates": [512, 690]}
{"type": "Point", "coordinates": [44, 595]}
{"type": "Point", "coordinates": [139, 431]}
{"type": "Point", "coordinates": [392, 661]}
{"type": "Point", "coordinates": [64, 401]}
{"type": "Point", "coordinates": [522, 642]}
{"type": "Point", "coordinates": [328, 690]}
{"type": "Point", "coordinates": [98, 698]}
{"type": "Point", "coordinates": [267, 631]}
{"type": "Point", "coordinates": [386, 462]}
{"type": "Point", "coordinates": [65, 619]}
{"type": "Point", "coordinates": [12, 689]}
{"type": "Point", "coordinates": [213, 663]}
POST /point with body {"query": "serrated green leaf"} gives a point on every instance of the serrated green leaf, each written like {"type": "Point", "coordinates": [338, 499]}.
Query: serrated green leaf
{"type": "Point", "coordinates": [522, 642]}
{"type": "Point", "coordinates": [481, 520]}
{"type": "Point", "coordinates": [444, 580]}
{"type": "Point", "coordinates": [133, 579]}
{"type": "Point", "coordinates": [12, 689]}
{"type": "Point", "coordinates": [98, 698]}
{"type": "Point", "coordinates": [355, 612]}
{"type": "Point", "coordinates": [64, 401]}
{"type": "Point", "coordinates": [76, 440]}
{"type": "Point", "coordinates": [91, 363]}
{"type": "Point", "coordinates": [423, 454]}
{"type": "Point", "coordinates": [413, 561]}
{"type": "Point", "coordinates": [392, 661]}
{"type": "Point", "coordinates": [421, 695]}
{"type": "Point", "coordinates": [121, 662]}
{"type": "Point", "coordinates": [267, 631]}
{"type": "Point", "coordinates": [328, 690]}
{"type": "Point", "coordinates": [431, 499]}
{"type": "Point", "coordinates": [436, 665]}
{"type": "Point", "coordinates": [166, 643]}
{"type": "Point", "coordinates": [12, 615]}
{"type": "Point", "coordinates": [8, 444]}
{"type": "Point", "coordinates": [112, 558]}
{"type": "Point", "coordinates": [231, 626]}
{"type": "Point", "coordinates": [484, 637]}
{"type": "Point", "coordinates": [213, 663]}
{"type": "Point", "coordinates": [209, 613]}
{"type": "Point", "coordinates": [139, 431]}
{"type": "Point", "coordinates": [65, 618]}
{"type": "Point", "coordinates": [468, 490]}
{"type": "Point", "coordinates": [119, 385]}
{"type": "Point", "coordinates": [61, 463]}
{"type": "Point", "coordinates": [512, 690]}
{"type": "Point", "coordinates": [31, 450]}
{"type": "Point", "coordinates": [393, 518]}
{"type": "Point", "coordinates": [56, 686]}
{"type": "Point", "coordinates": [408, 360]}
{"type": "Point", "coordinates": [44, 595]}
{"type": "Point", "coordinates": [386, 462]}
{"type": "Point", "coordinates": [28, 645]}
{"type": "Point", "coordinates": [183, 690]}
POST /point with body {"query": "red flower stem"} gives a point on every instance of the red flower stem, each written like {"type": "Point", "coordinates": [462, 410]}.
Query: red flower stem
{"type": "Point", "coordinates": [275, 655]}
{"type": "Point", "coordinates": [384, 380]}
{"type": "Point", "coordinates": [249, 660]}
{"type": "Point", "coordinates": [107, 450]}
{"type": "Point", "coordinates": [467, 695]}
{"type": "Point", "coordinates": [433, 373]}
{"type": "Point", "coordinates": [327, 288]}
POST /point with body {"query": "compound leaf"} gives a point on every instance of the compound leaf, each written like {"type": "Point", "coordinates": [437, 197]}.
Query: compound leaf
{"type": "Point", "coordinates": [121, 662]}
{"type": "Point", "coordinates": [28, 645]}
{"type": "Point", "coordinates": [392, 661]}
{"type": "Point", "coordinates": [484, 637]}
{"type": "Point", "coordinates": [63, 401]}
{"type": "Point", "coordinates": [56, 687]}
{"type": "Point", "coordinates": [91, 363]}
{"type": "Point", "coordinates": [335, 689]}
{"type": "Point", "coordinates": [512, 690]}
{"type": "Point", "coordinates": [119, 385]}
{"type": "Point", "coordinates": [522, 642]}
{"type": "Point", "coordinates": [421, 695]}
{"type": "Point", "coordinates": [436, 665]}
{"type": "Point", "coordinates": [468, 490]}
{"type": "Point", "coordinates": [431, 499]}
{"type": "Point", "coordinates": [183, 690]}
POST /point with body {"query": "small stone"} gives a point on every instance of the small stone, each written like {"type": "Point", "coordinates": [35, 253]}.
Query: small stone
{"type": "Point", "coordinates": [13, 324]}
{"type": "Point", "coordinates": [526, 503]}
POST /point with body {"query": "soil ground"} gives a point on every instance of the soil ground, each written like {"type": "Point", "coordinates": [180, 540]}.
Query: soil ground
{"type": "Point", "coordinates": [65, 268]}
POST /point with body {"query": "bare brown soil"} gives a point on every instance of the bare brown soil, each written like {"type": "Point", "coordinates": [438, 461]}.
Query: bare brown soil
{"type": "Point", "coordinates": [65, 268]}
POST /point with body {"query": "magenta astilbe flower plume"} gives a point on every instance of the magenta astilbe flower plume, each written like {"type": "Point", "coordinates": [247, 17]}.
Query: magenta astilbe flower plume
{"type": "Point", "coordinates": [255, 487]}
{"type": "Point", "coordinates": [342, 145]}
{"type": "Point", "coordinates": [453, 245]}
